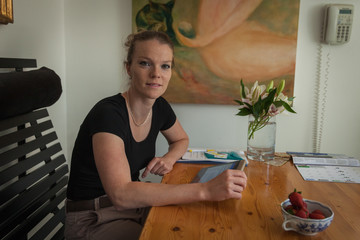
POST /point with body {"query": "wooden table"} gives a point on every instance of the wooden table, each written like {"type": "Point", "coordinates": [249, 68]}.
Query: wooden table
{"type": "Point", "coordinates": [257, 215]}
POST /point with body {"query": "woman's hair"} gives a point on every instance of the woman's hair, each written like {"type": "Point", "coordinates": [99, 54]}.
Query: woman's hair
{"type": "Point", "coordinates": [144, 36]}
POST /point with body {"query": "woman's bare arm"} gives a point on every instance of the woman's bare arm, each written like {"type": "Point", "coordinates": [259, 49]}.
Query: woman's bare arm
{"type": "Point", "coordinates": [178, 143]}
{"type": "Point", "coordinates": [114, 172]}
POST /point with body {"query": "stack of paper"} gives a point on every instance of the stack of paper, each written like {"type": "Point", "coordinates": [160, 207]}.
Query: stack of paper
{"type": "Point", "coordinates": [198, 155]}
{"type": "Point", "coordinates": [327, 167]}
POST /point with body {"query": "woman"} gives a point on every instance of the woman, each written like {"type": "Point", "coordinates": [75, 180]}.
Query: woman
{"type": "Point", "coordinates": [106, 200]}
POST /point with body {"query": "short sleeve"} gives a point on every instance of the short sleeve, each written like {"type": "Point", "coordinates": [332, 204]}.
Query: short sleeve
{"type": "Point", "coordinates": [167, 114]}
{"type": "Point", "coordinates": [108, 117]}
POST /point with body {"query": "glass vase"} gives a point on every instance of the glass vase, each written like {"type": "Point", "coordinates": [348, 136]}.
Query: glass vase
{"type": "Point", "coordinates": [261, 142]}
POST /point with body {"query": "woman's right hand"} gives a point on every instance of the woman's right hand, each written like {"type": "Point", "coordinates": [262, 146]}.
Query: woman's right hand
{"type": "Point", "coordinates": [229, 184]}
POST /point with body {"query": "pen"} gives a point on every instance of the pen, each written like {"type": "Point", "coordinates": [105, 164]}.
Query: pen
{"type": "Point", "coordinates": [195, 150]}
{"type": "Point", "coordinates": [241, 165]}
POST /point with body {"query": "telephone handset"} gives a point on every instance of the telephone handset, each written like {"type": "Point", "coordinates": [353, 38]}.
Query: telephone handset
{"type": "Point", "coordinates": [337, 23]}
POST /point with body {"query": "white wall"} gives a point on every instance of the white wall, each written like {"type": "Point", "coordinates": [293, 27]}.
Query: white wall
{"type": "Point", "coordinates": [94, 55]}
{"type": "Point", "coordinates": [89, 61]}
{"type": "Point", "coordinates": [38, 33]}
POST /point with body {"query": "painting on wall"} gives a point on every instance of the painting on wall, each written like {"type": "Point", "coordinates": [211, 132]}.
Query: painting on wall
{"type": "Point", "coordinates": [6, 11]}
{"type": "Point", "coordinates": [220, 42]}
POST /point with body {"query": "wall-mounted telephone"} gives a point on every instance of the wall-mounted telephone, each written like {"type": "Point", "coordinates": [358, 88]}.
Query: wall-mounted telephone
{"type": "Point", "coordinates": [337, 23]}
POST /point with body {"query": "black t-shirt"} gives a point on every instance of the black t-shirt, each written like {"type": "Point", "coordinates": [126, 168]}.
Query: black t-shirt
{"type": "Point", "coordinates": [111, 115]}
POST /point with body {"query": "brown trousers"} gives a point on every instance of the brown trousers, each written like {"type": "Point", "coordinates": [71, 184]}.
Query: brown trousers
{"type": "Point", "coordinates": [105, 224]}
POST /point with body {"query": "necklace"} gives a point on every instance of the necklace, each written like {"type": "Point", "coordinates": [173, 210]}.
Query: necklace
{"type": "Point", "coordinates": [132, 115]}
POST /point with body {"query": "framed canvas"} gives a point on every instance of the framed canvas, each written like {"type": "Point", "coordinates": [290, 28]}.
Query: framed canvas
{"type": "Point", "coordinates": [220, 42]}
{"type": "Point", "coordinates": [6, 11]}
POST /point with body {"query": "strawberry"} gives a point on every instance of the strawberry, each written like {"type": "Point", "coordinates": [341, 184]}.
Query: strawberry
{"type": "Point", "coordinates": [296, 199]}
{"type": "Point", "coordinates": [316, 216]}
{"type": "Point", "coordinates": [290, 209]}
{"type": "Point", "coordinates": [303, 213]}
{"type": "Point", "coordinates": [317, 211]}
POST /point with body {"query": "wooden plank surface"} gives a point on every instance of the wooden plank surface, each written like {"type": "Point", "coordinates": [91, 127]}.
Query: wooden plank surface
{"type": "Point", "coordinates": [257, 215]}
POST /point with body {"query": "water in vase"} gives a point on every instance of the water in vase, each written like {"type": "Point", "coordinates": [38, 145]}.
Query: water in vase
{"type": "Point", "coordinates": [262, 146]}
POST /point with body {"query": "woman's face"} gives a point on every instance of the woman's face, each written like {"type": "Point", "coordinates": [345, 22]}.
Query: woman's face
{"type": "Point", "coordinates": [150, 70]}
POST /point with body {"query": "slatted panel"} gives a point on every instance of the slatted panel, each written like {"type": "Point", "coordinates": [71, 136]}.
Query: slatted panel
{"type": "Point", "coordinates": [14, 217]}
{"type": "Point", "coordinates": [33, 178]}
{"type": "Point", "coordinates": [22, 150]}
{"type": "Point", "coordinates": [22, 119]}
{"type": "Point", "coordinates": [22, 166]}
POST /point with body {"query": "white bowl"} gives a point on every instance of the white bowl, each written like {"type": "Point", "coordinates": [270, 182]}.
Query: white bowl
{"type": "Point", "coordinates": [307, 226]}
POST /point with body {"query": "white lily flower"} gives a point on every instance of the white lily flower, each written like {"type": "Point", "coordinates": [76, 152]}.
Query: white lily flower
{"type": "Point", "coordinates": [273, 110]}
{"type": "Point", "coordinates": [256, 84]}
{"type": "Point", "coordinates": [283, 98]}
{"type": "Point", "coordinates": [257, 94]}
{"type": "Point", "coordinates": [246, 91]}
{"type": "Point", "coordinates": [262, 91]}
{"type": "Point", "coordinates": [245, 100]}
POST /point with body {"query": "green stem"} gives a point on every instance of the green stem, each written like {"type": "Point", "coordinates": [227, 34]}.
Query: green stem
{"type": "Point", "coordinates": [256, 125]}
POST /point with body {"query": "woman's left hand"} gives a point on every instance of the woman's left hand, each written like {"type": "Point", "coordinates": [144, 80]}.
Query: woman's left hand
{"type": "Point", "coordinates": [178, 143]}
{"type": "Point", "coordinates": [159, 166]}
